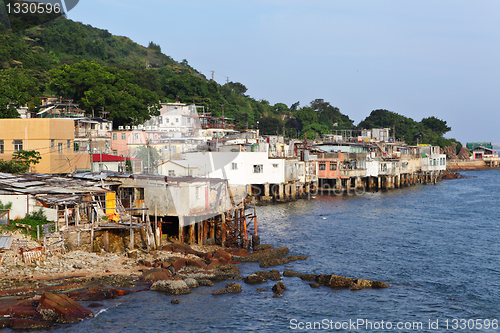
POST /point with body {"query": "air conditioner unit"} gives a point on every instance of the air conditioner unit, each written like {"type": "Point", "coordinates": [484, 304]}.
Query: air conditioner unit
{"type": "Point", "coordinates": [148, 128]}
{"type": "Point", "coordinates": [140, 127]}
{"type": "Point", "coordinates": [134, 127]}
{"type": "Point", "coordinates": [127, 127]}
{"type": "Point", "coordinates": [120, 128]}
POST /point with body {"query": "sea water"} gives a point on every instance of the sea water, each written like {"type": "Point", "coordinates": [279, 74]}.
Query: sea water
{"type": "Point", "coordinates": [436, 245]}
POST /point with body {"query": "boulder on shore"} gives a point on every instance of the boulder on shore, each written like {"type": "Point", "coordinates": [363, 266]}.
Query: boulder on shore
{"type": "Point", "coordinates": [176, 287]}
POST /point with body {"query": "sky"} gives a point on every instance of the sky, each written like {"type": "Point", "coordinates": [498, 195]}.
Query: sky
{"type": "Point", "coordinates": [416, 58]}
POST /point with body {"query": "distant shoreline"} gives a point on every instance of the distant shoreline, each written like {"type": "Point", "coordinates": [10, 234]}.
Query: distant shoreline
{"type": "Point", "coordinates": [459, 165]}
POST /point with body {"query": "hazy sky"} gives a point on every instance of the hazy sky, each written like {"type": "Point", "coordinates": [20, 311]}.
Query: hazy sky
{"type": "Point", "coordinates": [417, 58]}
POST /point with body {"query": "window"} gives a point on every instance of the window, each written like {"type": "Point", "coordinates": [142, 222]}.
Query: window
{"type": "Point", "coordinates": [114, 136]}
{"type": "Point", "coordinates": [234, 166]}
{"type": "Point", "coordinates": [322, 166]}
{"type": "Point", "coordinates": [176, 120]}
{"type": "Point", "coordinates": [123, 136]}
{"type": "Point", "coordinates": [171, 173]}
{"type": "Point", "coordinates": [115, 152]}
{"type": "Point", "coordinates": [100, 126]}
{"type": "Point", "coordinates": [60, 147]}
{"type": "Point", "coordinates": [68, 144]}
{"type": "Point", "coordinates": [136, 136]}
{"type": "Point", "coordinates": [333, 166]}
{"type": "Point", "coordinates": [160, 120]}
{"type": "Point", "coordinates": [52, 143]}
{"type": "Point", "coordinates": [197, 192]}
{"type": "Point", "coordinates": [258, 168]}
{"type": "Point", "coordinates": [167, 120]}
{"type": "Point", "coordinates": [18, 145]}
{"type": "Point", "coordinates": [1, 147]}
{"type": "Point", "coordinates": [92, 126]}
{"type": "Point", "coordinates": [275, 165]}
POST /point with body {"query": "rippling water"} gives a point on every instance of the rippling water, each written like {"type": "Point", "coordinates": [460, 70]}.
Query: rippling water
{"type": "Point", "coordinates": [437, 245]}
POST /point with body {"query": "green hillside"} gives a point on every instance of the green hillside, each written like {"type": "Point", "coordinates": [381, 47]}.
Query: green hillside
{"type": "Point", "coordinates": [101, 71]}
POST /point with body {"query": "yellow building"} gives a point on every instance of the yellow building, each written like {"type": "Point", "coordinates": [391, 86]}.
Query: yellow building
{"type": "Point", "coordinates": [52, 137]}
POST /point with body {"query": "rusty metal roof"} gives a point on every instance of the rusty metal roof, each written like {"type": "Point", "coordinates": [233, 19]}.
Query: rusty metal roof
{"type": "Point", "coordinates": [40, 184]}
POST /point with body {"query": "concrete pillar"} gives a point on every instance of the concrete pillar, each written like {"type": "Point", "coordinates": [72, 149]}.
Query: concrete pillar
{"type": "Point", "coordinates": [398, 181]}
{"type": "Point", "coordinates": [307, 188]}
{"type": "Point", "coordinates": [379, 182]}
{"type": "Point", "coordinates": [293, 190]}
{"type": "Point", "coordinates": [281, 193]}
{"type": "Point", "coordinates": [266, 189]}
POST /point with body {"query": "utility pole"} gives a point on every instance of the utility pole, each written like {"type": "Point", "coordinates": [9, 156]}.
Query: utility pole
{"type": "Point", "coordinates": [212, 75]}
{"type": "Point", "coordinates": [90, 150]}
{"type": "Point", "coordinates": [227, 79]}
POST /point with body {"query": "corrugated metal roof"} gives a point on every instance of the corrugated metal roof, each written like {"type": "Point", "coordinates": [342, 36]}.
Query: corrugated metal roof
{"type": "Point", "coordinates": [6, 242]}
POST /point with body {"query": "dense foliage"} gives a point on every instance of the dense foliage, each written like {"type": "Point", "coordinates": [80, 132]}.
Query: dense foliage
{"type": "Point", "coordinates": [103, 72]}
{"type": "Point", "coordinates": [428, 131]}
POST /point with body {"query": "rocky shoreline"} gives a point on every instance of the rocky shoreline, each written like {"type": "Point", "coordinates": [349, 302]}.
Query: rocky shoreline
{"type": "Point", "coordinates": [47, 292]}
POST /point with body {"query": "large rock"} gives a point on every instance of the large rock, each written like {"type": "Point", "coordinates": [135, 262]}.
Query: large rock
{"type": "Point", "coordinates": [274, 262]}
{"type": "Point", "coordinates": [254, 279]}
{"type": "Point", "coordinates": [267, 255]}
{"type": "Point", "coordinates": [278, 289]}
{"type": "Point", "coordinates": [263, 276]}
{"type": "Point", "coordinates": [179, 248]}
{"type": "Point", "coordinates": [302, 276]}
{"type": "Point", "coordinates": [156, 274]}
{"type": "Point", "coordinates": [179, 263]}
{"type": "Point", "coordinates": [176, 287]}
{"type": "Point", "coordinates": [230, 288]}
{"type": "Point", "coordinates": [221, 254]}
{"type": "Point", "coordinates": [227, 272]}
{"type": "Point", "coordinates": [191, 283]}
{"type": "Point", "coordinates": [62, 309]}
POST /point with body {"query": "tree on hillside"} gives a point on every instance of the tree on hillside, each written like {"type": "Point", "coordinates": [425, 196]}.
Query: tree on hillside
{"type": "Point", "coordinates": [437, 125]}
{"type": "Point", "coordinates": [306, 116]}
{"type": "Point", "coordinates": [16, 89]}
{"type": "Point", "coordinates": [97, 88]}
{"type": "Point", "coordinates": [280, 108]}
{"type": "Point", "coordinates": [330, 116]}
{"type": "Point", "coordinates": [270, 126]}
{"type": "Point", "coordinates": [405, 128]}
{"type": "Point", "coordinates": [428, 131]}
{"type": "Point", "coordinates": [237, 88]}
